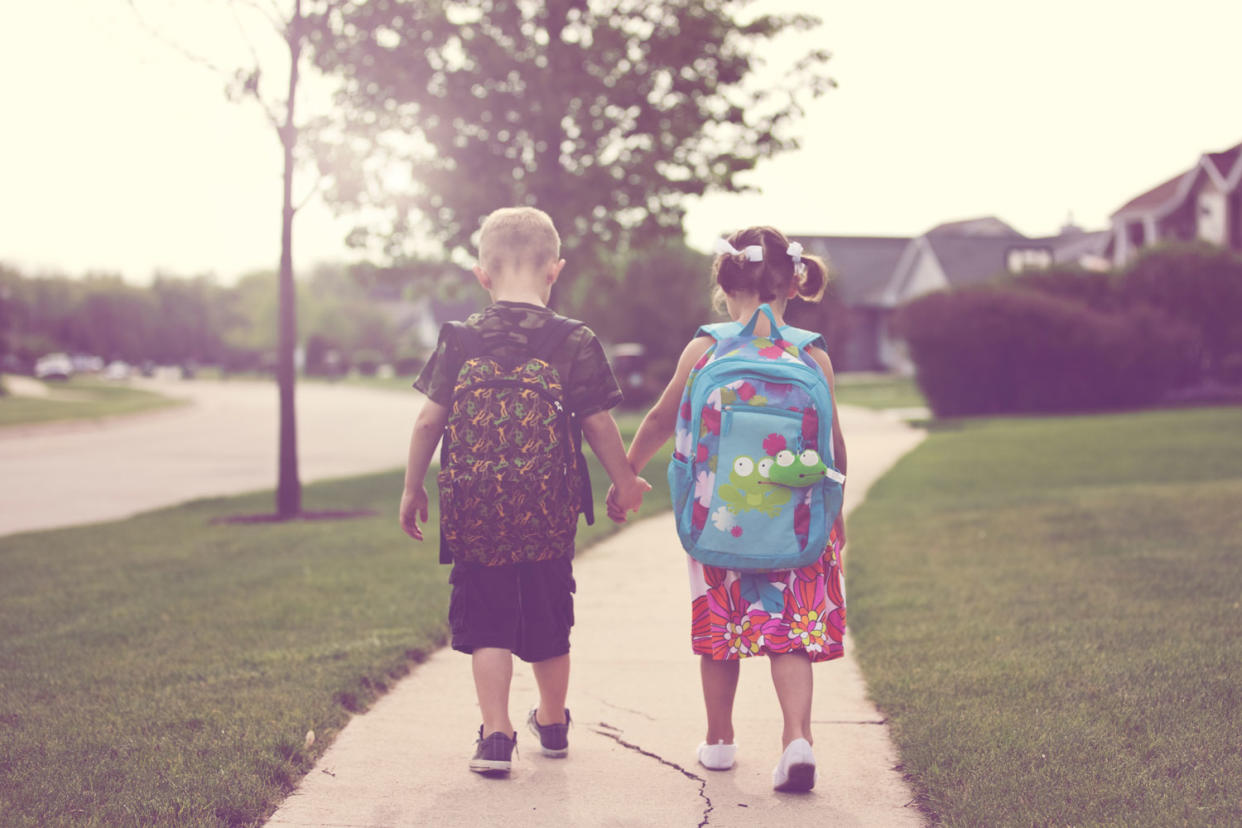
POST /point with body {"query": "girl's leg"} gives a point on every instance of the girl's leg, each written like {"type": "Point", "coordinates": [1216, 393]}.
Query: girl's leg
{"type": "Point", "coordinates": [719, 688]}
{"type": "Point", "coordinates": [791, 675]}
{"type": "Point", "coordinates": [493, 672]}
{"type": "Point", "coordinates": [552, 676]}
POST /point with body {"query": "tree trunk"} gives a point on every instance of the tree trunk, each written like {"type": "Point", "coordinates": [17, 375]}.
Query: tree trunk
{"type": "Point", "coordinates": [288, 486]}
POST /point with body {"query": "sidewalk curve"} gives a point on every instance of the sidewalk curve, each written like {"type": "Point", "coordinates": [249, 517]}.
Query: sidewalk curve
{"type": "Point", "coordinates": [638, 716]}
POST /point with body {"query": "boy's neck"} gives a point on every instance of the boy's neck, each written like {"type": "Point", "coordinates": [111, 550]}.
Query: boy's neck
{"type": "Point", "coordinates": [525, 297]}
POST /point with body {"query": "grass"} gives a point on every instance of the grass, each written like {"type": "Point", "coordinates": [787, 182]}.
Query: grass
{"type": "Point", "coordinates": [878, 391]}
{"type": "Point", "coordinates": [166, 670]}
{"type": "Point", "coordinates": [1049, 612]}
{"type": "Point", "coordinates": [81, 398]}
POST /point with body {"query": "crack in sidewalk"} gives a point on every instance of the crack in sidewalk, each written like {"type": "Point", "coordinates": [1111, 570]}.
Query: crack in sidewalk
{"type": "Point", "coordinates": [615, 735]}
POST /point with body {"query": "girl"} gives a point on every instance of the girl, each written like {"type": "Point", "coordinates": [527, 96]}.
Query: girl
{"type": "Point", "coordinates": [755, 266]}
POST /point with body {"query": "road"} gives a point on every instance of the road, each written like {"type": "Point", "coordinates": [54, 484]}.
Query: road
{"type": "Point", "coordinates": [223, 442]}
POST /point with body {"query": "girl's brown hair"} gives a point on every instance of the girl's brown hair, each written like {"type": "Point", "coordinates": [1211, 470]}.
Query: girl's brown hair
{"type": "Point", "coordinates": [772, 277]}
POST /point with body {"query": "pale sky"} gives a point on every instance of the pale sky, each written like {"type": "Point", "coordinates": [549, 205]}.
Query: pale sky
{"type": "Point", "coordinates": [118, 154]}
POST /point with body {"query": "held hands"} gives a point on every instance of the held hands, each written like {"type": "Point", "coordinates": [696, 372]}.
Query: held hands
{"type": "Point", "coordinates": [413, 510]}
{"type": "Point", "coordinates": [620, 501]}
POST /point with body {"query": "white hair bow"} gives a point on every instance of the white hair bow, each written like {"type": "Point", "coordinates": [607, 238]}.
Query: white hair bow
{"type": "Point", "coordinates": [795, 253]}
{"type": "Point", "coordinates": [753, 252]}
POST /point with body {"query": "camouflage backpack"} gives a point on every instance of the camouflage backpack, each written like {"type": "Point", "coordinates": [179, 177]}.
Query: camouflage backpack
{"type": "Point", "coordinates": [512, 476]}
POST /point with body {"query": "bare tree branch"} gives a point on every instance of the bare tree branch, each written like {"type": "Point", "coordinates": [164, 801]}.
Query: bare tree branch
{"type": "Point", "coordinates": [193, 57]}
{"type": "Point", "coordinates": [318, 187]}
{"type": "Point", "coordinates": [269, 12]}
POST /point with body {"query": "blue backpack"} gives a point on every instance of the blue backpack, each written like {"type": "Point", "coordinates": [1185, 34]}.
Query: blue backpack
{"type": "Point", "coordinates": [752, 476]}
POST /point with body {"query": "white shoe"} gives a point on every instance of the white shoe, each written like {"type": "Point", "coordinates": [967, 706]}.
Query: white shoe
{"type": "Point", "coordinates": [718, 756]}
{"type": "Point", "coordinates": [796, 770]}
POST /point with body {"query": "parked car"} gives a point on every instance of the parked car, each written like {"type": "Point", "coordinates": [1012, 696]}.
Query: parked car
{"type": "Point", "coordinates": [87, 363]}
{"type": "Point", "coordinates": [54, 367]}
{"type": "Point", "coordinates": [117, 370]}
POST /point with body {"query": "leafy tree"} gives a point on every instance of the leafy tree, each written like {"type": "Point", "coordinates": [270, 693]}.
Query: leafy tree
{"type": "Point", "coordinates": [605, 114]}
{"type": "Point", "coordinates": [665, 297]}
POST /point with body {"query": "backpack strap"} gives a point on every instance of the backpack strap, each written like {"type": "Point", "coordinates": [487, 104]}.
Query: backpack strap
{"type": "Point", "coordinates": [551, 335]}
{"type": "Point", "coordinates": [802, 339]}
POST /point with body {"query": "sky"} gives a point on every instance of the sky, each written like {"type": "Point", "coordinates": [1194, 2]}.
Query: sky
{"type": "Point", "coordinates": [119, 154]}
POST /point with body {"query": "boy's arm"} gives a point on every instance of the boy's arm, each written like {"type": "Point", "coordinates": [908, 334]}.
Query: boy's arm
{"type": "Point", "coordinates": [428, 429]}
{"type": "Point", "coordinates": [600, 430]}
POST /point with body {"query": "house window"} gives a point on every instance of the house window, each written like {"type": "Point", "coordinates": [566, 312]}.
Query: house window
{"type": "Point", "coordinates": [1135, 234]}
{"type": "Point", "coordinates": [1028, 258]}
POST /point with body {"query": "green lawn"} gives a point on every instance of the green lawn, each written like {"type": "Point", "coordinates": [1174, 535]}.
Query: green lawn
{"type": "Point", "coordinates": [81, 398]}
{"type": "Point", "coordinates": [1049, 613]}
{"type": "Point", "coordinates": [166, 669]}
{"type": "Point", "coordinates": [878, 391]}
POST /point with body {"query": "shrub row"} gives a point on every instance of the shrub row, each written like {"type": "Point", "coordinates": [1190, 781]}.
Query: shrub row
{"type": "Point", "coordinates": [994, 351]}
{"type": "Point", "coordinates": [1196, 283]}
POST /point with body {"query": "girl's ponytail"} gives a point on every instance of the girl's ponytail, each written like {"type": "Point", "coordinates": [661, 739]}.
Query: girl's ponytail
{"type": "Point", "coordinates": [813, 279]}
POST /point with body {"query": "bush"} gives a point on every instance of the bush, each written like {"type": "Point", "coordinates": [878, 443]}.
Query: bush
{"type": "Point", "coordinates": [995, 351]}
{"type": "Point", "coordinates": [1098, 291]}
{"type": "Point", "coordinates": [408, 363]}
{"type": "Point", "coordinates": [367, 362]}
{"type": "Point", "coordinates": [1197, 283]}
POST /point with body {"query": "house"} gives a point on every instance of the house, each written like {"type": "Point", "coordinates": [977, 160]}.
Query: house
{"type": "Point", "coordinates": [1204, 202]}
{"type": "Point", "coordinates": [876, 275]}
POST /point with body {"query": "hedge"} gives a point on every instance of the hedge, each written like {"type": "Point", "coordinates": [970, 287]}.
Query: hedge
{"type": "Point", "coordinates": [994, 351]}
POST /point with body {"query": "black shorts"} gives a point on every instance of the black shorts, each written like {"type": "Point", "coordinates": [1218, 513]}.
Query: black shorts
{"type": "Point", "coordinates": [527, 608]}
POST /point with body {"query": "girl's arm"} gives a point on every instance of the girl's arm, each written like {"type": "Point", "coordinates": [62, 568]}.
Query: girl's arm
{"type": "Point", "coordinates": [660, 421]}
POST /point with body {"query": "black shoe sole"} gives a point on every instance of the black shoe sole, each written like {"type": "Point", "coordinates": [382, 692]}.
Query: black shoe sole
{"type": "Point", "coordinates": [801, 779]}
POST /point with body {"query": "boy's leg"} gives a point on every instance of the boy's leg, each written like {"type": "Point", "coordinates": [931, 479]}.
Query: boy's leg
{"type": "Point", "coordinates": [552, 676]}
{"type": "Point", "coordinates": [493, 672]}
{"type": "Point", "coordinates": [719, 688]}
{"type": "Point", "coordinates": [794, 683]}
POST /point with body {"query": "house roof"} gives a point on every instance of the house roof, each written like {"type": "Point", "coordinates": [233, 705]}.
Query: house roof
{"type": "Point", "coordinates": [1155, 198]}
{"type": "Point", "coordinates": [1224, 161]}
{"type": "Point", "coordinates": [1225, 165]}
{"type": "Point", "coordinates": [973, 260]}
{"type": "Point", "coordinates": [983, 227]}
{"type": "Point", "coordinates": [1070, 248]}
{"type": "Point", "coordinates": [862, 266]}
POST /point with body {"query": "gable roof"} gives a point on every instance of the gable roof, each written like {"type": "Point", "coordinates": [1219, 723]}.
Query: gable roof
{"type": "Point", "coordinates": [1225, 161]}
{"type": "Point", "coordinates": [861, 266]}
{"type": "Point", "coordinates": [1225, 167]}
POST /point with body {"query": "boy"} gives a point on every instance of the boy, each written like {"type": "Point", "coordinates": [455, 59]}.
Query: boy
{"type": "Point", "coordinates": [509, 504]}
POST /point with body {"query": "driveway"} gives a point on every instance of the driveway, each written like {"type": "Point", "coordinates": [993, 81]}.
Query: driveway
{"type": "Point", "coordinates": [224, 442]}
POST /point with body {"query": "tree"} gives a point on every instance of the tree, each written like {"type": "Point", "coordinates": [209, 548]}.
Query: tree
{"type": "Point", "coordinates": [605, 114]}
{"type": "Point", "coordinates": [290, 23]}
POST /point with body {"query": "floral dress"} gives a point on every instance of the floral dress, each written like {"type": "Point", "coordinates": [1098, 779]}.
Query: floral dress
{"type": "Point", "coordinates": [736, 615]}
{"type": "Point", "coordinates": [726, 625]}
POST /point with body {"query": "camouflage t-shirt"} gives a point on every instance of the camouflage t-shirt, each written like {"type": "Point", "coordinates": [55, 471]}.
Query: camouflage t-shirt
{"type": "Point", "coordinates": [505, 327]}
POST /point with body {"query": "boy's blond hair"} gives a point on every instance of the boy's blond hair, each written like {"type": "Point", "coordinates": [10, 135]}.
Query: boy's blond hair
{"type": "Point", "coordinates": [518, 238]}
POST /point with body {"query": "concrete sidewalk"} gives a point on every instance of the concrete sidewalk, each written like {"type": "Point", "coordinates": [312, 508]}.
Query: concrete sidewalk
{"type": "Point", "coordinates": [638, 716]}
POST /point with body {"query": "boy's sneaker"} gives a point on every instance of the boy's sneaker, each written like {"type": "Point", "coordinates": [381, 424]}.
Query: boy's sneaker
{"type": "Point", "coordinates": [796, 770]}
{"type": "Point", "coordinates": [553, 738]}
{"type": "Point", "coordinates": [493, 755]}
